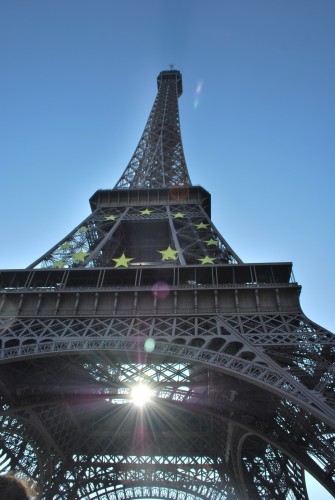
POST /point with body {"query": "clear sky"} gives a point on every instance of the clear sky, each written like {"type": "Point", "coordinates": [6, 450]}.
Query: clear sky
{"type": "Point", "coordinates": [78, 79]}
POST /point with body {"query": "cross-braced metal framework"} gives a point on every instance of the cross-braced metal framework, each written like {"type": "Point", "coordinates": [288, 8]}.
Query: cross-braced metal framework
{"type": "Point", "coordinates": [145, 294]}
{"type": "Point", "coordinates": [159, 159]}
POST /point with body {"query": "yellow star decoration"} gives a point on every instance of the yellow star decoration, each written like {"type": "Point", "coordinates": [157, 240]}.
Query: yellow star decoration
{"type": "Point", "coordinates": [201, 226]}
{"type": "Point", "coordinates": [59, 264]}
{"type": "Point", "coordinates": [146, 211]}
{"type": "Point", "coordinates": [65, 246]}
{"type": "Point", "coordinates": [179, 215]}
{"type": "Point", "coordinates": [207, 260]}
{"type": "Point", "coordinates": [79, 256]}
{"type": "Point", "coordinates": [211, 242]}
{"type": "Point", "coordinates": [122, 261]}
{"type": "Point", "coordinates": [83, 229]}
{"type": "Point", "coordinates": [168, 254]}
{"type": "Point", "coordinates": [111, 217]}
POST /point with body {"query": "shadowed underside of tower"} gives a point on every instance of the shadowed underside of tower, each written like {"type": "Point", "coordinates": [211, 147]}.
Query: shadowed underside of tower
{"type": "Point", "coordinates": [145, 299]}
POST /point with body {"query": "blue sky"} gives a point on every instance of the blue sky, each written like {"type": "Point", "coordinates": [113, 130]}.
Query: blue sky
{"type": "Point", "coordinates": [77, 84]}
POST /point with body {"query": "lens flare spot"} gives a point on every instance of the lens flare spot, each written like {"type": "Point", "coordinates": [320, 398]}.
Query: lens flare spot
{"type": "Point", "coordinates": [179, 193]}
{"type": "Point", "coordinates": [141, 394]}
{"type": "Point", "coordinates": [149, 345]}
{"type": "Point", "coordinates": [161, 290]}
{"type": "Point", "coordinates": [197, 93]}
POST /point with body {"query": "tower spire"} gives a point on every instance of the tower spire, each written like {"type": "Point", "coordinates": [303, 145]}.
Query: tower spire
{"type": "Point", "coordinates": [158, 160]}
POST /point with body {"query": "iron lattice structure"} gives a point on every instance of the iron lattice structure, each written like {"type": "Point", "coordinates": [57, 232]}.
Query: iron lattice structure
{"type": "Point", "coordinates": [146, 291]}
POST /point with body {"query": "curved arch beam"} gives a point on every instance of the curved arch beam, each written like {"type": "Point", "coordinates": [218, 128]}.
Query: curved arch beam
{"type": "Point", "coordinates": [255, 373]}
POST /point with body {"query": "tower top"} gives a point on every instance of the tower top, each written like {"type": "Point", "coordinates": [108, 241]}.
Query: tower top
{"type": "Point", "coordinates": [158, 160]}
{"type": "Point", "coordinates": [173, 75]}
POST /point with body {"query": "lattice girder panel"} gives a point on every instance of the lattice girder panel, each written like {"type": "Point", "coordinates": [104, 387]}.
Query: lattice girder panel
{"type": "Point", "coordinates": [269, 474]}
{"type": "Point", "coordinates": [311, 436]}
{"type": "Point", "coordinates": [23, 447]}
{"type": "Point", "coordinates": [191, 352]}
{"type": "Point", "coordinates": [198, 237]}
{"type": "Point", "coordinates": [297, 438]}
{"type": "Point", "coordinates": [108, 233]}
{"type": "Point", "coordinates": [267, 433]}
{"type": "Point", "coordinates": [295, 343]}
{"type": "Point", "coordinates": [159, 158]}
{"type": "Point", "coordinates": [234, 441]}
{"type": "Point", "coordinates": [245, 422]}
{"type": "Point", "coordinates": [155, 469]}
{"type": "Point", "coordinates": [234, 354]}
{"type": "Point", "coordinates": [173, 491]}
{"type": "Point", "coordinates": [83, 243]}
{"type": "Point", "coordinates": [200, 472]}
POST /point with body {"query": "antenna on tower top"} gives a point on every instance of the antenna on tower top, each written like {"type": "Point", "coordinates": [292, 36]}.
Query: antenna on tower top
{"type": "Point", "coordinates": [171, 67]}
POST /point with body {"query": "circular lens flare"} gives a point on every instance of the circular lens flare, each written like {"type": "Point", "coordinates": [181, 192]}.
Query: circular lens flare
{"type": "Point", "coordinates": [161, 290]}
{"type": "Point", "coordinates": [141, 394]}
{"type": "Point", "coordinates": [197, 93]}
{"type": "Point", "coordinates": [149, 345]}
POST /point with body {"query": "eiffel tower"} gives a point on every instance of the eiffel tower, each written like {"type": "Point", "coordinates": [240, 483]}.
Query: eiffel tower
{"type": "Point", "coordinates": [141, 358]}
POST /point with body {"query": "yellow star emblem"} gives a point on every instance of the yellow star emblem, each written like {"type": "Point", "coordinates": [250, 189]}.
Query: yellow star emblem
{"type": "Point", "coordinates": [201, 226]}
{"type": "Point", "coordinates": [211, 242]}
{"type": "Point", "coordinates": [111, 217]}
{"type": "Point", "coordinates": [169, 253]}
{"type": "Point", "coordinates": [146, 211]}
{"type": "Point", "coordinates": [207, 260]}
{"type": "Point", "coordinates": [79, 256]}
{"type": "Point", "coordinates": [179, 215]}
{"type": "Point", "coordinates": [65, 246]}
{"type": "Point", "coordinates": [83, 229]}
{"type": "Point", "coordinates": [122, 261]}
{"type": "Point", "coordinates": [59, 264]}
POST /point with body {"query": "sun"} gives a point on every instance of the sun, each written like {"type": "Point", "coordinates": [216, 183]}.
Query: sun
{"type": "Point", "coordinates": [140, 395]}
